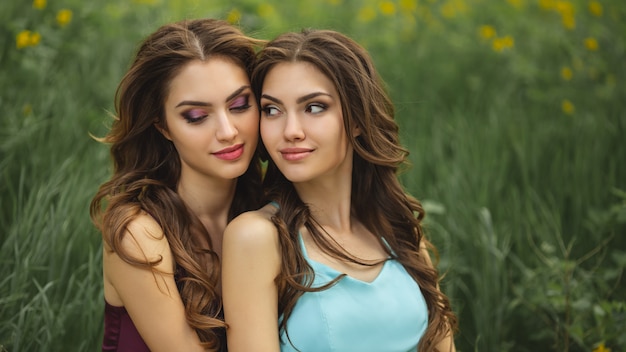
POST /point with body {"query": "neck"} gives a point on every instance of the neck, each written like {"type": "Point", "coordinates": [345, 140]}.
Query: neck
{"type": "Point", "coordinates": [210, 201]}
{"type": "Point", "coordinates": [329, 201]}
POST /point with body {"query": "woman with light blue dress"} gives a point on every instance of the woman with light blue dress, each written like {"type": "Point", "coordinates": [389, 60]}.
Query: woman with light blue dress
{"type": "Point", "coordinates": [337, 259]}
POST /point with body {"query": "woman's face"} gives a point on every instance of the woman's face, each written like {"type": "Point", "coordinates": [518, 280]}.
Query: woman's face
{"type": "Point", "coordinates": [302, 123]}
{"type": "Point", "coordinates": [212, 119]}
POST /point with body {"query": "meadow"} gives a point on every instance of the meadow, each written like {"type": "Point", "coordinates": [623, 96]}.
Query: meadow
{"type": "Point", "coordinates": [514, 112]}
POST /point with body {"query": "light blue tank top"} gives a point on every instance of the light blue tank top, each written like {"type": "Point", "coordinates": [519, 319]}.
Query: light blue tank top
{"type": "Point", "coordinates": [387, 314]}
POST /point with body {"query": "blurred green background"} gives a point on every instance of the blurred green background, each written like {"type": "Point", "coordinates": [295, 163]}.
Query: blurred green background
{"type": "Point", "coordinates": [514, 112]}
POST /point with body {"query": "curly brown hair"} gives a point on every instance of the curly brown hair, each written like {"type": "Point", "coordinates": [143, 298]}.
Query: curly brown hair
{"type": "Point", "coordinates": [378, 199]}
{"type": "Point", "coordinates": [146, 166]}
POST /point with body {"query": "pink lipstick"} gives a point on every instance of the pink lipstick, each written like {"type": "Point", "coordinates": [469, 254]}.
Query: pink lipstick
{"type": "Point", "coordinates": [295, 154]}
{"type": "Point", "coordinates": [230, 153]}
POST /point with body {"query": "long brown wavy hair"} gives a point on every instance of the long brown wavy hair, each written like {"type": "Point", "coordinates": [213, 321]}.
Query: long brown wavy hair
{"type": "Point", "coordinates": [146, 166]}
{"type": "Point", "coordinates": [378, 200]}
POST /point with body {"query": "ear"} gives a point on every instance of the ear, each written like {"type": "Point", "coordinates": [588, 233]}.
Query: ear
{"type": "Point", "coordinates": [163, 129]}
{"type": "Point", "coordinates": [356, 131]}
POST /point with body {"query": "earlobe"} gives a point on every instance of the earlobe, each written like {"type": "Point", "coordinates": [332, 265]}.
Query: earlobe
{"type": "Point", "coordinates": [356, 131]}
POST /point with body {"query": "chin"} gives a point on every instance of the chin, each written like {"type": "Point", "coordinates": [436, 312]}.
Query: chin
{"type": "Point", "coordinates": [235, 172]}
{"type": "Point", "coordinates": [296, 178]}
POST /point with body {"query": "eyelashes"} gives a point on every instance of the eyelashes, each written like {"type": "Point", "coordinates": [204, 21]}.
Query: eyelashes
{"type": "Point", "coordinates": [316, 108]}
{"type": "Point", "coordinates": [239, 105]}
{"type": "Point", "coordinates": [194, 115]}
{"type": "Point", "coordinates": [270, 110]}
{"type": "Point", "coordinates": [311, 108]}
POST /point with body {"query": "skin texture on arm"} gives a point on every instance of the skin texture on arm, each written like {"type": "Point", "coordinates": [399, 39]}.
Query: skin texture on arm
{"type": "Point", "coordinates": [250, 263]}
{"type": "Point", "coordinates": [151, 298]}
{"type": "Point", "coordinates": [447, 344]}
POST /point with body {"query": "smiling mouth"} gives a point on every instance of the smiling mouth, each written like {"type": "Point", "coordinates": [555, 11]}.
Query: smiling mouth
{"type": "Point", "coordinates": [230, 153]}
{"type": "Point", "coordinates": [295, 154]}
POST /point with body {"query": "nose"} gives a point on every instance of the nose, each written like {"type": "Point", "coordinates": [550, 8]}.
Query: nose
{"type": "Point", "coordinates": [293, 128]}
{"type": "Point", "coordinates": [226, 129]}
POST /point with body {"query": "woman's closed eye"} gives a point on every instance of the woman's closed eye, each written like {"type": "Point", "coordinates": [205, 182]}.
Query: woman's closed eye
{"type": "Point", "coordinates": [240, 104]}
{"type": "Point", "coordinates": [194, 115]}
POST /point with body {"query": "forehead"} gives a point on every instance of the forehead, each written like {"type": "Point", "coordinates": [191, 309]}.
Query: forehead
{"type": "Point", "coordinates": [297, 78]}
{"type": "Point", "coordinates": [212, 79]}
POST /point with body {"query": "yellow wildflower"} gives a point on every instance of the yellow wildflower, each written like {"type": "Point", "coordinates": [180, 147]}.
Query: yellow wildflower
{"type": "Point", "coordinates": [387, 8]}
{"type": "Point", "coordinates": [595, 7]}
{"type": "Point", "coordinates": [591, 44]}
{"type": "Point", "coordinates": [566, 73]}
{"type": "Point", "coordinates": [366, 14]}
{"type": "Point", "coordinates": [508, 41]}
{"type": "Point", "coordinates": [499, 44]}
{"type": "Point", "coordinates": [34, 39]}
{"type": "Point", "coordinates": [64, 17]}
{"type": "Point", "coordinates": [601, 348]}
{"type": "Point", "coordinates": [448, 10]}
{"type": "Point", "coordinates": [453, 8]}
{"type": "Point", "coordinates": [265, 10]}
{"type": "Point", "coordinates": [487, 32]}
{"type": "Point", "coordinates": [408, 5]}
{"type": "Point", "coordinates": [39, 4]}
{"type": "Point", "coordinates": [547, 4]}
{"type": "Point", "coordinates": [564, 7]}
{"type": "Point", "coordinates": [567, 107]}
{"type": "Point", "coordinates": [568, 20]}
{"type": "Point", "coordinates": [234, 16]}
{"type": "Point", "coordinates": [566, 10]}
{"type": "Point", "coordinates": [22, 39]}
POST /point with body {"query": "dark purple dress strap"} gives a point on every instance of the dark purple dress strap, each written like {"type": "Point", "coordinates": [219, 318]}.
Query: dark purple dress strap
{"type": "Point", "coordinates": [120, 334]}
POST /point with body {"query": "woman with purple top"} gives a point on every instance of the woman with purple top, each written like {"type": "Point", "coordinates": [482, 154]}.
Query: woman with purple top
{"type": "Point", "coordinates": [183, 145]}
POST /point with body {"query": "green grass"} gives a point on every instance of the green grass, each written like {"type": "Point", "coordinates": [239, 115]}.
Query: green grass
{"type": "Point", "coordinates": [526, 202]}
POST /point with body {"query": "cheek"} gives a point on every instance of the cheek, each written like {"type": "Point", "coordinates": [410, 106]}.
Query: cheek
{"type": "Point", "coordinates": [268, 131]}
{"type": "Point", "coordinates": [250, 125]}
{"type": "Point", "coordinates": [331, 131]}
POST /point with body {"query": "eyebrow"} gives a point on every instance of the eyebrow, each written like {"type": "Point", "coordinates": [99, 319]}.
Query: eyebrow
{"type": "Point", "coordinates": [299, 100]}
{"type": "Point", "coordinates": [202, 103]}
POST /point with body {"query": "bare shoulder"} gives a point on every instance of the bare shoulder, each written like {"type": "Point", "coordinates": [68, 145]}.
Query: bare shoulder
{"type": "Point", "coordinates": [143, 242]}
{"type": "Point", "coordinates": [252, 230]}
{"type": "Point", "coordinates": [253, 224]}
{"type": "Point", "coordinates": [144, 239]}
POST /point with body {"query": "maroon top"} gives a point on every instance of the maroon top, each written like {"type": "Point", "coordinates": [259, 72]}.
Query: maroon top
{"type": "Point", "coordinates": [120, 334]}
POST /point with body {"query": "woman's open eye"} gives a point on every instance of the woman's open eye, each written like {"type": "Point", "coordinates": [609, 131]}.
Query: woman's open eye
{"type": "Point", "coordinates": [240, 104]}
{"type": "Point", "coordinates": [194, 115]}
{"type": "Point", "coordinates": [315, 108]}
{"type": "Point", "coordinates": [271, 110]}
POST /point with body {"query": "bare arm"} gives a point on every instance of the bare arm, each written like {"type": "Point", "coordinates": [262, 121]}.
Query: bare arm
{"type": "Point", "coordinates": [151, 299]}
{"type": "Point", "coordinates": [250, 263]}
